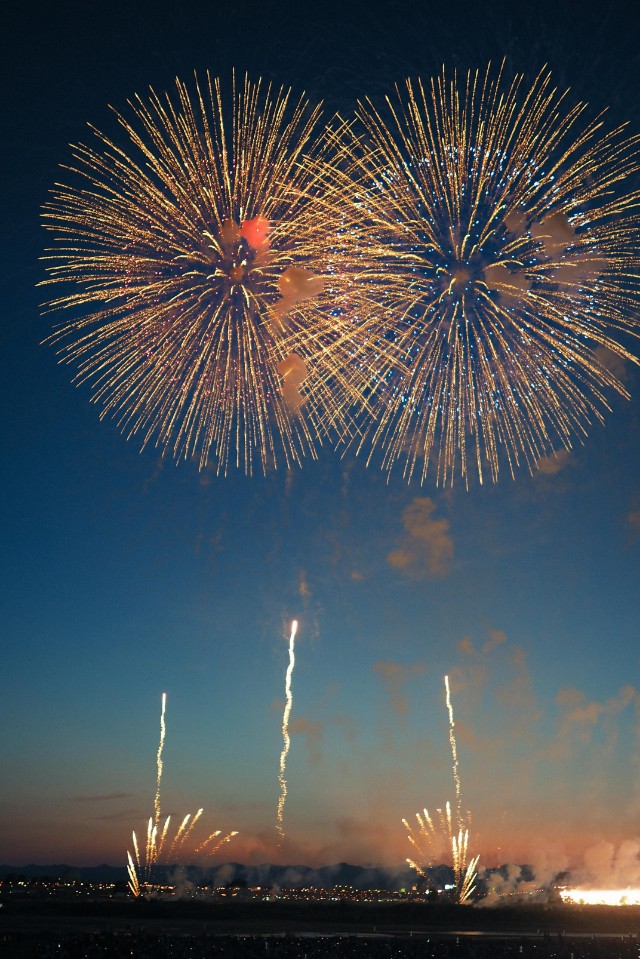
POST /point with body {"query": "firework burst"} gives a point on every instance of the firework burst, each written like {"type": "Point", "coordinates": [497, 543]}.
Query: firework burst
{"type": "Point", "coordinates": [190, 253]}
{"type": "Point", "coordinates": [493, 242]}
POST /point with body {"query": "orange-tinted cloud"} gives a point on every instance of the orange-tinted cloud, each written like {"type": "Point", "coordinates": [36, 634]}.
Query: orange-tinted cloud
{"type": "Point", "coordinates": [313, 736]}
{"type": "Point", "coordinates": [633, 519]}
{"type": "Point", "coordinates": [613, 362]}
{"type": "Point", "coordinates": [554, 463]}
{"type": "Point", "coordinates": [426, 548]}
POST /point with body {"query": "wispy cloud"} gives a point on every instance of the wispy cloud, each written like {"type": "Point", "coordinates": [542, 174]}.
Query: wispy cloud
{"type": "Point", "coordinates": [395, 676]}
{"type": "Point", "coordinates": [554, 463]}
{"type": "Point", "coordinates": [425, 549]}
{"type": "Point", "coordinates": [633, 519]}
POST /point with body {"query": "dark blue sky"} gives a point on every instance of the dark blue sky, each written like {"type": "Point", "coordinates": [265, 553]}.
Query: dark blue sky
{"type": "Point", "coordinates": [126, 576]}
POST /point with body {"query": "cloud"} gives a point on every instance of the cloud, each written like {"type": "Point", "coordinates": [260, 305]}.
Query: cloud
{"type": "Point", "coordinates": [125, 815]}
{"type": "Point", "coordinates": [613, 362]}
{"type": "Point", "coordinates": [497, 637]}
{"type": "Point", "coordinates": [633, 520]}
{"type": "Point", "coordinates": [313, 735]}
{"type": "Point", "coordinates": [426, 548]}
{"type": "Point", "coordinates": [554, 463]}
{"type": "Point", "coordinates": [580, 716]}
{"type": "Point", "coordinates": [394, 676]}
{"type": "Point", "coordinates": [303, 586]}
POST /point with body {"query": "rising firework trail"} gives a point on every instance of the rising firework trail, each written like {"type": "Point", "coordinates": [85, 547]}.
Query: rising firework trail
{"type": "Point", "coordinates": [163, 730]}
{"type": "Point", "coordinates": [454, 753]}
{"type": "Point", "coordinates": [285, 731]}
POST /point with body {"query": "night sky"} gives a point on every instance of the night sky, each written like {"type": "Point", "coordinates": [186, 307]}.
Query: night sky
{"type": "Point", "coordinates": [126, 575]}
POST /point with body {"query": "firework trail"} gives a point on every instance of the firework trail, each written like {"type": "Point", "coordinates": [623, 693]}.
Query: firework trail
{"type": "Point", "coordinates": [164, 835]}
{"type": "Point", "coordinates": [454, 753]}
{"type": "Point", "coordinates": [189, 830]}
{"type": "Point", "coordinates": [214, 849]}
{"type": "Point", "coordinates": [205, 843]}
{"type": "Point", "coordinates": [285, 731]}
{"type": "Point", "coordinates": [163, 730]}
{"type": "Point", "coordinates": [193, 250]}
{"type": "Point", "coordinates": [136, 850]}
{"type": "Point", "coordinates": [176, 843]}
{"type": "Point", "coordinates": [149, 847]}
{"type": "Point", "coordinates": [493, 236]}
{"type": "Point", "coordinates": [134, 884]}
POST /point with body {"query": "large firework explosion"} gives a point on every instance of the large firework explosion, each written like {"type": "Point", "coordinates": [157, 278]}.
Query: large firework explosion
{"type": "Point", "coordinates": [494, 232]}
{"type": "Point", "coordinates": [191, 251]}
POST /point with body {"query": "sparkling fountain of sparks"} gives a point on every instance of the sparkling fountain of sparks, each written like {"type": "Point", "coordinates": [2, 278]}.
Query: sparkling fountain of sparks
{"type": "Point", "coordinates": [493, 233]}
{"type": "Point", "coordinates": [140, 871]}
{"type": "Point", "coordinates": [285, 732]}
{"type": "Point", "coordinates": [429, 836]}
{"type": "Point", "coordinates": [163, 730]}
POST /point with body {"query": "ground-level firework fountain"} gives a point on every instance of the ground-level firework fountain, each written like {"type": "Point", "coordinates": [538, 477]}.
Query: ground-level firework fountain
{"type": "Point", "coordinates": [140, 866]}
{"type": "Point", "coordinates": [429, 836]}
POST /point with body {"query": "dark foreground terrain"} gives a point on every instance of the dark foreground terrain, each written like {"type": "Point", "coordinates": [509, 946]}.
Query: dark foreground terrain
{"type": "Point", "coordinates": [195, 930]}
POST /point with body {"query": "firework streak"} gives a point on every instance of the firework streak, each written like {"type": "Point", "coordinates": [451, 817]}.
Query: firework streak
{"type": "Point", "coordinates": [285, 731]}
{"type": "Point", "coordinates": [163, 730]}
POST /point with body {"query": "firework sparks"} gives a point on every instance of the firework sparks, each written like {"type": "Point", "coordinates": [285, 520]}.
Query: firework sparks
{"type": "Point", "coordinates": [193, 249]}
{"type": "Point", "coordinates": [163, 730]}
{"type": "Point", "coordinates": [190, 828]}
{"type": "Point", "coordinates": [495, 260]}
{"type": "Point", "coordinates": [285, 731]}
{"type": "Point", "coordinates": [134, 883]}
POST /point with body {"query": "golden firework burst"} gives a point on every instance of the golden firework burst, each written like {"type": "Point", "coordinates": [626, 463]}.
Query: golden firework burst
{"type": "Point", "coordinates": [492, 236]}
{"type": "Point", "coordinates": [191, 252]}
